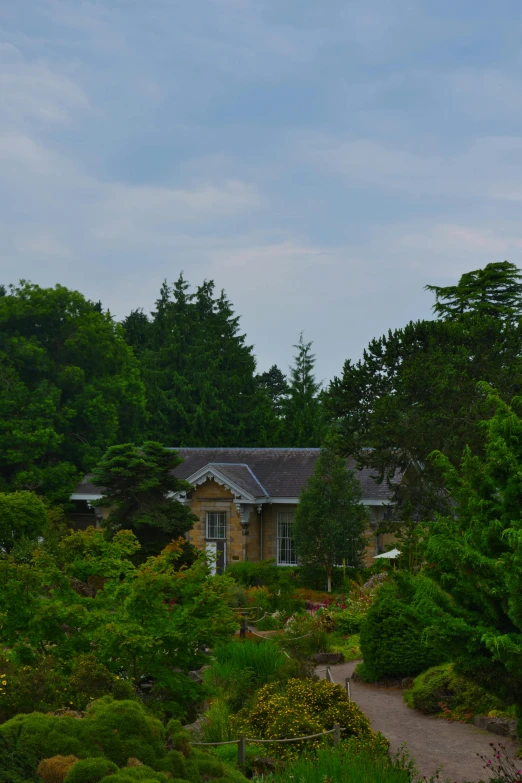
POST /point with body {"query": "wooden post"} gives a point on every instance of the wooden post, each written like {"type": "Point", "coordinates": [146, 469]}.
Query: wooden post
{"type": "Point", "coordinates": [241, 753]}
{"type": "Point", "coordinates": [328, 674]}
{"type": "Point", "coordinates": [336, 734]}
{"type": "Point", "coordinates": [347, 683]}
{"type": "Point", "coordinates": [243, 628]}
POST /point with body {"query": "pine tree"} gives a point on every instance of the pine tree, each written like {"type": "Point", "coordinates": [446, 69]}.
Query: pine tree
{"type": "Point", "coordinates": [330, 522]}
{"type": "Point", "coordinates": [303, 425]}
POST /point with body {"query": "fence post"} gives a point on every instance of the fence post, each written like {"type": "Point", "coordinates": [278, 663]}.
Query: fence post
{"type": "Point", "coordinates": [328, 674]}
{"type": "Point", "coordinates": [347, 683]}
{"type": "Point", "coordinates": [336, 734]}
{"type": "Point", "coordinates": [241, 753]}
{"type": "Point", "coordinates": [243, 628]}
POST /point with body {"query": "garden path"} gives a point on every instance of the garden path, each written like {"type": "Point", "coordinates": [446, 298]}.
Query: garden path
{"type": "Point", "coordinates": [432, 742]}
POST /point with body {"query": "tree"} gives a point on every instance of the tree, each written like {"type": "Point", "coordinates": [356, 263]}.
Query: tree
{"type": "Point", "coordinates": [198, 370]}
{"type": "Point", "coordinates": [494, 291]}
{"type": "Point", "coordinates": [274, 382]}
{"type": "Point", "coordinates": [414, 391]}
{"type": "Point", "coordinates": [70, 387]}
{"type": "Point", "coordinates": [303, 425]}
{"type": "Point", "coordinates": [146, 622]}
{"type": "Point", "coordinates": [474, 555]}
{"type": "Point", "coordinates": [139, 488]}
{"type": "Point", "coordinates": [22, 515]}
{"type": "Point", "coordinates": [330, 522]}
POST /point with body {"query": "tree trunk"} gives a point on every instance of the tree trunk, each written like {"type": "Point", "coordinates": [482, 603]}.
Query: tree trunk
{"type": "Point", "coordinates": [329, 580]}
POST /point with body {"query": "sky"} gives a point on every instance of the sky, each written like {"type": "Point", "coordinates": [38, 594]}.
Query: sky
{"type": "Point", "coordinates": [320, 160]}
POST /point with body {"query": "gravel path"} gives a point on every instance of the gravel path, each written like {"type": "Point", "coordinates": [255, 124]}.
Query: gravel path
{"type": "Point", "coordinates": [432, 742]}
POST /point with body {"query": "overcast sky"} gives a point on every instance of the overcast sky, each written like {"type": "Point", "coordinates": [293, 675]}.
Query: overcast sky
{"type": "Point", "coordinates": [321, 160]}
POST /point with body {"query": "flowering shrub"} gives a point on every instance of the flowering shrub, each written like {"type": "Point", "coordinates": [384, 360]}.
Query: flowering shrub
{"type": "Point", "coordinates": [304, 707]}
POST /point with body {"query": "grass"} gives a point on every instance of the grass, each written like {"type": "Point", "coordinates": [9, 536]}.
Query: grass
{"type": "Point", "coordinates": [347, 645]}
{"type": "Point", "coordinates": [341, 765]}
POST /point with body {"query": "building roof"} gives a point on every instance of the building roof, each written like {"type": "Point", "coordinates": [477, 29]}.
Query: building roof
{"type": "Point", "coordinates": [274, 473]}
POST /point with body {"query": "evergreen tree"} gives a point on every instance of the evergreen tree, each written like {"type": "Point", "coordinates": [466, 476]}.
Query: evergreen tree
{"type": "Point", "coordinates": [330, 522]}
{"type": "Point", "coordinates": [303, 426]}
{"type": "Point", "coordinates": [274, 382]}
{"type": "Point", "coordinates": [494, 291]}
{"type": "Point", "coordinates": [198, 371]}
{"type": "Point", "coordinates": [139, 488]}
{"type": "Point", "coordinates": [474, 556]}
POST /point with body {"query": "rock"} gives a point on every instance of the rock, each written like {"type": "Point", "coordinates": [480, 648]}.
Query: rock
{"type": "Point", "coordinates": [264, 765]}
{"type": "Point", "coordinates": [504, 727]}
{"type": "Point", "coordinates": [407, 682]}
{"type": "Point", "coordinates": [196, 676]}
{"type": "Point", "coordinates": [328, 658]}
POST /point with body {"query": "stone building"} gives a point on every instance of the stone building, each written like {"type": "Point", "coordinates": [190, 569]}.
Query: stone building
{"type": "Point", "coordinates": [246, 499]}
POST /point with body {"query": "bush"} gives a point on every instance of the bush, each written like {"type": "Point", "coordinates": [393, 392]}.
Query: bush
{"type": "Point", "coordinates": [442, 685]}
{"type": "Point", "coordinates": [303, 707]}
{"type": "Point", "coordinates": [392, 641]}
{"type": "Point", "coordinates": [36, 683]}
{"type": "Point", "coordinates": [90, 771]}
{"type": "Point", "coordinates": [55, 769]}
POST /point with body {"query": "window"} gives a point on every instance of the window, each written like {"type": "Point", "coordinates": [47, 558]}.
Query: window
{"type": "Point", "coordinates": [285, 543]}
{"type": "Point", "coordinates": [216, 524]}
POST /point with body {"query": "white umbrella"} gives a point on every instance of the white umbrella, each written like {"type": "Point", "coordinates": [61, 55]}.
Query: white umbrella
{"type": "Point", "coordinates": [391, 555]}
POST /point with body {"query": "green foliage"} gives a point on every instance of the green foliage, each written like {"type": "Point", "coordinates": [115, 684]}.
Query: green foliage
{"type": "Point", "coordinates": [22, 515]}
{"type": "Point", "coordinates": [90, 770]}
{"type": "Point", "coordinates": [415, 391]}
{"type": "Point", "coordinates": [392, 637]}
{"type": "Point", "coordinates": [443, 686]}
{"type": "Point", "coordinates": [71, 388]}
{"type": "Point", "coordinates": [495, 292]}
{"type": "Point", "coordinates": [112, 735]}
{"type": "Point", "coordinates": [139, 488]}
{"type": "Point", "coordinates": [303, 707]}
{"type": "Point", "coordinates": [330, 522]}
{"type": "Point", "coordinates": [349, 646]}
{"type": "Point", "coordinates": [198, 371]}
{"type": "Point", "coordinates": [337, 765]}
{"type": "Point", "coordinates": [302, 408]}
{"type": "Point", "coordinates": [139, 622]}
{"type": "Point", "coordinates": [473, 556]}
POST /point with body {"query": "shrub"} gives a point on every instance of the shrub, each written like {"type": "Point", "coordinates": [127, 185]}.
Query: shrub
{"type": "Point", "coordinates": [36, 683]}
{"type": "Point", "coordinates": [392, 640]}
{"type": "Point", "coordinates": [55, 769]}
{"type": "Point", "coordinates": [443, 685]}
{"type": "Point", "coordinates": [90, 771]}
{"type": "Point", "coordinates": [303, 707]}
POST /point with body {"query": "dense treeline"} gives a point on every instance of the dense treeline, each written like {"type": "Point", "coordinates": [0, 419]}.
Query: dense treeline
{"type": "Point", "coordinates": [75, 382]}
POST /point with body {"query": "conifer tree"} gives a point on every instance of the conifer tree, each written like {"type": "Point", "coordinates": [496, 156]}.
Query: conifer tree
{"type": "Point", "coordinates": [199, 371]}
{"type": "Point", "coordinates": [330, 522]}
{"type": "Point", "coordinates": [303, 425]}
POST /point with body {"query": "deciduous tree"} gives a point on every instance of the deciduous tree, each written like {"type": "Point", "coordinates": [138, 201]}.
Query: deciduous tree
{"type": "Point", "coordinates": [69, 388]}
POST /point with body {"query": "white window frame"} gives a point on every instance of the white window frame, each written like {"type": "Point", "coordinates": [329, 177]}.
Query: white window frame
{"type": "Point", "coordinates": [219, 525]}
{"type": "Point", "coordinates": [285, 520]}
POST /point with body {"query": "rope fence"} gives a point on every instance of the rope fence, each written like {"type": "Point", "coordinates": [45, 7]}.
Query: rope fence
{"type": "Point", "coordinates": [242, 741]}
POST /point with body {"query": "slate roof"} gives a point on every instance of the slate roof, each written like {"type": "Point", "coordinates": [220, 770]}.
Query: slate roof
{"type": "Point", "coordinates": [261, 472]}
{"type": "Point", "coordinates": [281, 472]}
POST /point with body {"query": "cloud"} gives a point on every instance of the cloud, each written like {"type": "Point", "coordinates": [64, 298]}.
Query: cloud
{"type": "Point", "coordinates": [32, 91]}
